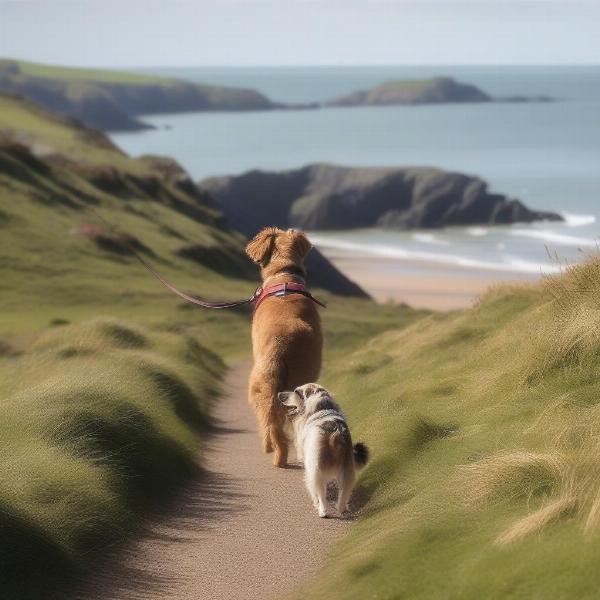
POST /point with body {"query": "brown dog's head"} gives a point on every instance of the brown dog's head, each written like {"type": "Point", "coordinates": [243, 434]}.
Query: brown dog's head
{"type": "Point", "coordinates": [276, 250]}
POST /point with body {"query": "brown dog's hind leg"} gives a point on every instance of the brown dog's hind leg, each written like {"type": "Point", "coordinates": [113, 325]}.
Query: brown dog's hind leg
{"type": "Point", "coordinates": [263, 389]}
{"type": "Point", "coordinates": [265, 430]}
{"type": "Point", "coordinates": [280, 442]}
{"type": "Point", "coordinates": [256, 400]}
{"type": "Point", "coordinates": [267, 445]}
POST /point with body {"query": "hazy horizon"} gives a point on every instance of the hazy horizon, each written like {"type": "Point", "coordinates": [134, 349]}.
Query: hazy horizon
{"type": "Point", "coordinates": [138, 34]}
{"type": "Point", "coordinates": [300, 66]}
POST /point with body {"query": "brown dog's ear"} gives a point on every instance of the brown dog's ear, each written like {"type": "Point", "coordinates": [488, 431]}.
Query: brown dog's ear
{"type": "Point", "coordinates": [300, 242]}
{"type": "Point", "coordinates": [260, 247]}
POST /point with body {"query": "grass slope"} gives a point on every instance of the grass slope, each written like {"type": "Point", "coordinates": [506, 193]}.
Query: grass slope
{"type": "Point", "coordinates": [99, 415]}
{"type": "Point", "coordinates": [59, 260]}
{"type": "Point", "coordinates": [48, 133]}
{"type": "Point", "coordinates": [111, 100]}
{"type": "Point", "coordinates": [30, 69]}
{"type": "Point", "coordinates": [106, 379]}
{"type": "Point", "coordinates": [98, 421]}
{"type": "Point", "coordinates": [484, 429]}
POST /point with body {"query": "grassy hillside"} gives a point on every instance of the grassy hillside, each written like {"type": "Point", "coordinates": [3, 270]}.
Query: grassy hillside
{"type": "Point", "coordinates": [30, 69]}
{"type": "Point", "coordinates": [111, 100]}
{"type": "Point", "coordinates": [484, 428]}
{"type": "Point", "coordinates": [48, 133]}
{"type": "Point", "coordinates": [483, 424]}
{"type": "Point", "coordinates": [98, 422]}
{"type": "Point", "coordinates": [55, 247]}
{"type": "Point", "coordinates": [106, 380]}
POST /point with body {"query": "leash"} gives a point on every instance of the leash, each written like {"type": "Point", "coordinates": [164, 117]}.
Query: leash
{"type": "Point", "coordinates": [170, 286]}
{"type": "Point", "coordinates": [193, 299]}
{"type": "Point", "coordinates": [258, 296]}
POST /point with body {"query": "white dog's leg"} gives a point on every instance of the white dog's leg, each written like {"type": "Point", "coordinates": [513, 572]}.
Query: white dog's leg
{"type": "Point", "coordinates": [321, 489]}
{"type": "Point", "coordinates": [313, 484]}
{"type": "Point", "coordinates": [345, 485]}
{"type": "Point", "coordinates": [316, 484]}
{"type": "Point", "coordinates": [317, 488]}
{"type": "Point", "coordinates": [299, 451]}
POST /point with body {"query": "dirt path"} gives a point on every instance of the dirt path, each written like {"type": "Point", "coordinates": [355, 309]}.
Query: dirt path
{"type": "Point", "coordinates": [242, 529]}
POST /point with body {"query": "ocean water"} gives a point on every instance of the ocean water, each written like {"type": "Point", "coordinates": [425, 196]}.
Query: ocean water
{"type": "Point", "coordinates": [546, 154]}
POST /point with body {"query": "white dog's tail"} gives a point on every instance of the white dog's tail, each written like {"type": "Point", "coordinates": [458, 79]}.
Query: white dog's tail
{"type": "Point", "coordinates": [361, 454]}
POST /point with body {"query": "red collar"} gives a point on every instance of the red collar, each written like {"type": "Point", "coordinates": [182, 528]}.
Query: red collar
{"type": "Point", "coordinates": [283, 289]}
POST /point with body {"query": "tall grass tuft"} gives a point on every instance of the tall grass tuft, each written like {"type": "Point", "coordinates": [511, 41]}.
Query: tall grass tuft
{"type": "Point", "coordinates": [98, 421]}
{"type": "Point", "coordinates": [505, 503]}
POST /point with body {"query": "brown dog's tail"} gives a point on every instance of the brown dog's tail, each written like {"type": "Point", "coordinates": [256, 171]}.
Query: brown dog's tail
{"type": "Point", "coordinates": [361, 454]}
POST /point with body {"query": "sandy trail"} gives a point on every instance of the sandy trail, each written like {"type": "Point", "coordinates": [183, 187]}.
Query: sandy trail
{"type": "Point", "coordinates": [241, 529]}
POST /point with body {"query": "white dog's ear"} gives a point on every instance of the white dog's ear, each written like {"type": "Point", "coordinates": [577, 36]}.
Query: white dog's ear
{"type": "Point", "coordinates": [291, 401]}
{"type": "Point", "coordinates": [284, 396]}
{"type": "Point", "coordinates": [308, 389]}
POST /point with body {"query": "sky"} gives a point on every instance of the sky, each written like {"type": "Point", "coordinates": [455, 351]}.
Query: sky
{"type": "Point", "coordinates": [162, 33]}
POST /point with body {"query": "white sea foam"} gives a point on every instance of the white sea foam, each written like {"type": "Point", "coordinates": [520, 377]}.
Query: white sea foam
{"type": "Point", "coordinates": [429, 238]}
{"type": "Point", "coordinates": [553, 237]}
{"type": "Point", "coordinates": [477, 231]}
{"type": "Point", "coordinates": [572, 220]}
{"type": "Point", "coordinates": [508, 264]}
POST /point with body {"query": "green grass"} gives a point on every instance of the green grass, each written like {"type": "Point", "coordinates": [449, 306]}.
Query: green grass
{"type": "Point", "coordinates": [408, 85]}
{"type": "Point", "coordinates": [99, 421]}
{"type": "Point", "coordinates": [106, 379]}
{"type": "Point", "coordinates": [109, 100]}
{"type": "Point", "coordinates": [49, 134]}
{"type": "Point", "coordinates": [100, 416]}
{"type": "Point", "coordinates": [485, 472]}
{"type": "Point", "coordinates": [483, 424]}
{"type": "Point", "coordinates": [67, 74]}
{"type": "Point", "coordinates": [53, 269]}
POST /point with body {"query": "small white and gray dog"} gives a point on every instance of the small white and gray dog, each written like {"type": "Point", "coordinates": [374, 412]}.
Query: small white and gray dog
{"type": "Point", "coordinates": [323, 442]}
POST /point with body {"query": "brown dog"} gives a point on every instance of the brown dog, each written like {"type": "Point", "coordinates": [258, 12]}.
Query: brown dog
{"type": "Point", "coordinates": [286, 334]}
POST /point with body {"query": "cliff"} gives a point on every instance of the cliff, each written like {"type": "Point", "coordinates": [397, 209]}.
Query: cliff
{"type": "Point", "coordinates": [112, 100]}
{"type": "Point", "coordinates": [322, 196]}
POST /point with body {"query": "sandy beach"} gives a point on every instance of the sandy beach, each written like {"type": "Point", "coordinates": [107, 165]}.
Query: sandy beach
{"type": "Point", "coordinates": [419, 284]}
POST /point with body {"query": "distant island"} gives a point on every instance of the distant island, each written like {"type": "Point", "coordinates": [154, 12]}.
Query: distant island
{"type": "Point", "coordinates": [438, 90]}
{"type": "Point", "coordinates": [115, 100]}
{"type": "Point", "coordinates": [323, 196]}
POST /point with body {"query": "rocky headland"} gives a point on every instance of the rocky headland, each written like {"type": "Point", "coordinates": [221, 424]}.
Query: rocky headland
{"type": "Point", "coordinates": [113, 100]}
{"type": "Point", "coordinates": [329, 197]}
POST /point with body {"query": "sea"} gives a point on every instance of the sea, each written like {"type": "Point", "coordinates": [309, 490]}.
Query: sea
{"type": "Point", "coordinates": [544, 154]}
